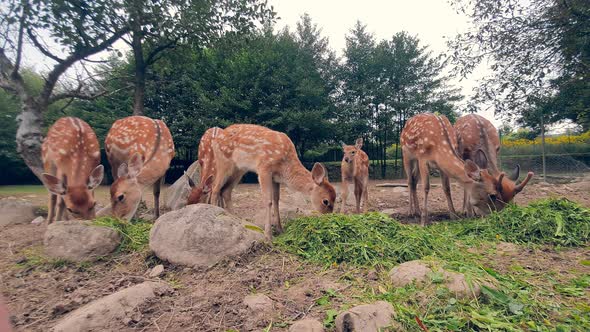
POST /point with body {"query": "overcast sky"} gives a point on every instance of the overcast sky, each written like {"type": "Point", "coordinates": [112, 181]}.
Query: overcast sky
{"type": "Point", "coordinates": [431, 20]}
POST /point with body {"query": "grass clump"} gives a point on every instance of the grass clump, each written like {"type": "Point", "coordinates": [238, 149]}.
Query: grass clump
{"type": "Point", "coordinates": [555, 221]}
{"type": "Point", "coordinates": [361, 240]}
{"type": "Point", "coordinates": [135, 234]}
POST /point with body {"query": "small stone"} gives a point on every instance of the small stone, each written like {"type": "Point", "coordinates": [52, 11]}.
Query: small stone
{"type": "Point", "coordinates": [156, 271]}
{"type": "Point", "coordinates": [372, 275]}
{"type": "Point", "coordinates": [366, 318]}
{"type": "Point", "coordinates": [307, 325]}
{"type": "Point", "coordinates": [408, 272]}
{"type": "Point", "coordinates": [38, 220]}
{"type": "Point", "coordinates": [258, 303]}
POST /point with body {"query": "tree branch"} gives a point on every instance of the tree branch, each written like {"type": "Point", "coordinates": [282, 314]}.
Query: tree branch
{"type": "Point", "coordinates": [19, 43]}
{"type": "Point", "coordinates": [41, 48]}
{"type": "Point", "coordinates": [9, 79]}
{"type": "Point", "coordinates": [152, 56]}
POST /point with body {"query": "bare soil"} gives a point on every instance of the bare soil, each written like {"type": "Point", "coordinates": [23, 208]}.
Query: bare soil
{"type": "Point", "coordinates": [211, 299]}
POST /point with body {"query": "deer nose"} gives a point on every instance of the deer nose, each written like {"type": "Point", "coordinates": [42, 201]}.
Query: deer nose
{"type": "Point", "coordinates": [346, 159]}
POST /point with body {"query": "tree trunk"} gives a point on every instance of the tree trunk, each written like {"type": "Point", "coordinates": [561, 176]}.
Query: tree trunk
{"type": "Point", "coordinates": [29, 136]}
{"type": "Point", "coordinates": [140, 69]}
{"type": "Point", "coordinates": [543, 147]}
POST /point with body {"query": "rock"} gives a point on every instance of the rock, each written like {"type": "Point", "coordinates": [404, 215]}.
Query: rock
{"type": "Point", "coordinates": [307, 325]}
{"type": "Point", "coordinates": [38, 220]}
{"type": "Point", "coordinates": [177, 193]}
{"type": "Point", "coordinates": [201, 235]}
{"type": "Point", "coordinates": [286, 211]}
{"type": "Point", "coordinates": [408, 272]}
{"type": "Point", "coordinates": [259, 304]}
{"type": "Point", "coordinates": [366, 318]}
{"type": "Point", "coordinates": [458, 286]}
{"type": "Point", "coordinates": [16, 211]}
{"type": "Point", "coordinates": [149, 216]}
{"type": "Point", "coordinates": [112, 311]}
{"type": "Point", "coordinates": [156, 271]}
{"type": "Point", "coordinates": [79, 241]}
{"type": "Point", "coordinates": [400, 190]}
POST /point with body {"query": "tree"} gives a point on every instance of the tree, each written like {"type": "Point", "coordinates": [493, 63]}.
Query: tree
{"type": "Point", "coordinates": [80, 29]}
{"type": "Point", "coordinates": [538, 49]}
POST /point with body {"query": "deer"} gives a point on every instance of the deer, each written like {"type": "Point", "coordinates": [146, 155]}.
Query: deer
{"type": "Point", "coordinates": [139, 150]}
{"type": "Point", "coordinates": [201, 193]}
{"type": "Point", "coordinates": [71, 161]}
{"type": "Point", "coordinates": [355, 171]}
{"type": "Point", "coordinates": [478, 140]}
{"type": "Point", "coordinates": [428, 140]}
{"type": "Point", "coordinates": [242, 148]}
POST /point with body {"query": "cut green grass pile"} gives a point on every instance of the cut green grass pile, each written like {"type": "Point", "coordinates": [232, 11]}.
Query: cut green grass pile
{"type": "Point", "coordinates": [523, 300]}
{"type": "Point", "coordinates": [135, 233]}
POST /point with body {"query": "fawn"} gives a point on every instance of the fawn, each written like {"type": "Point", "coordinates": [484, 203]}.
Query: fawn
{"type": "Point", "coordinates": [355, 171]}
{"type": "Point", "coordinates": [139, 150]}
{"type": "Point", "coordinates": [71, 159]}
{"type": "Point", "coordinates": [243, 147]}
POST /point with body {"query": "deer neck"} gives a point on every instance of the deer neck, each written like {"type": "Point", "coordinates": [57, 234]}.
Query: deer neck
{"type": "Point", "coordinates": [297, 177]}
{"type": "Point", "coordinates": [454, 167]}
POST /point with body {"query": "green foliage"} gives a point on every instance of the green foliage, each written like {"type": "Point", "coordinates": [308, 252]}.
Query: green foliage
{"type": "Point", "coordinates": [135, 233]}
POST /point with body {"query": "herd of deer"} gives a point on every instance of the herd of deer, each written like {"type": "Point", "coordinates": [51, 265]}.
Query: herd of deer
{"type": "Point", "coordinates": [139, 150]}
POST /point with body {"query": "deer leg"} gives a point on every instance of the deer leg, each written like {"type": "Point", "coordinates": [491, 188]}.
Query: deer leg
{"type": "Point", "coordinates": [266, 186]}
{"type": "Point", "coordinates": [447, 189]}
{"type": "Point", "coordinates": [229, 188]}
{"type": "Point", "coordinates": [358, 192]}
{"type": "Point", "coordinates": [409, 166]}
{"type": "Point", "coordinates": [276, 195]}
{"type": "Point", "coordinates": [425, 178]}
{"type": "Point", "coordinates": [344, 190]}
{"type": "Point", "coordinates": [156, 190]}
{"type": "Point", "coordinates": [365, 195]}
{"type": "Point", "coordinates": [51, 208]}
{"type": "Point", "coordinates": [61, 205]}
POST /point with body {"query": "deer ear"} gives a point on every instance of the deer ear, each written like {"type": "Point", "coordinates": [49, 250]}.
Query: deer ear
{"type": "Point", "coordinates": [191, 183]}
{"type": "Point", "coordinates": [318, 173]}
{"type": "Point", "coordinates": [515, 174]}
{"type": "Point", "coordinates": [499, 185]}
{"type": "Point", "coordinates": [480, 159]}
{"type": "Point", "coordinates": [134, 166]}
{"type": "Point", "coordinates": [342, 144]}
{"type": "Point", "coordinates": [472, 170]}
{"type": "Point", "coordinates": [208, 184]}
{"type": "Point", "coordinates": [122, 171]}
{"type": "Point", "coordinates": [95, 177]}
{"type": "Point", "coordinates": [359, 143]}
{"type": "Point", "coordinates": [53, 184]}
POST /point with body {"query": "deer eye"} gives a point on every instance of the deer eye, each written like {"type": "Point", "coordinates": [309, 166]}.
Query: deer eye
{"type": "Point", "coordinates": [326, 202]}
{"type": "Point", "coordinates": [353, 152]}
{"type": "Point", "coordinates": [121, 197]}
{"type": "Point", "coordinates": [72, 211]}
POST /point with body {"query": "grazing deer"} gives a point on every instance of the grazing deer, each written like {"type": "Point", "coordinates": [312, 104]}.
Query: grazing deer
{"type": "Point", "coordinates": [429, 140]}
{"type": "Point", "coordinates": [355, 171]}
{"type": "Point", "coordinates": [201, 193]}
{"type": "Point", "coordinates": [242, 148]}
{"type": "Point", "coordinates": [139, 150]}
{"type": "Point", "coordinates": [71, 159]}
{"type": "Point", "coordinates": [478, 140]}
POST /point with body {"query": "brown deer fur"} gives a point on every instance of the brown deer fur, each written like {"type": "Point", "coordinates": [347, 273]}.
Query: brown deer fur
{"type": "Point", "coordinates": [71, 159]}
{"type": "Point", "coordinates": [139, 150]}
{"type": "Point", "coordinates": [478, 140]}
{"type": "Point", "coordinates": [355, 171]}
{"type": "Point", "coordinates": [242, 147]}
{"type": "Point", "coordinates": [429, 140]}
{"type": "Point", "coordinates": [200, 193]}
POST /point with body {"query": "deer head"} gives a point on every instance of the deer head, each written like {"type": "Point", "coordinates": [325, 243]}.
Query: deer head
{"type": "Point", "coordinates": [79, 199]}
{"type": "Point", "coordinates": [199, 193]}
{"type": "Point", "coordinates": [351, 151]}
{"type": "Point", "coordinates": [126, 191]}
{"type": "Point", "coordinates": [323, 194]}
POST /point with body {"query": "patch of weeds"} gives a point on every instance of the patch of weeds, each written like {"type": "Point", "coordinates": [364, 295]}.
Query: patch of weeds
{"type": "Point", "coordinates": [33, 257]}
{"type": "Point", "coordinates": [577, 287]}
{"type": "Point", "coordinates": [326, 299]}
{"type": "Point", "coordinates": [135, 234]}
{"type": "Point", "coordinates": [330, 319]}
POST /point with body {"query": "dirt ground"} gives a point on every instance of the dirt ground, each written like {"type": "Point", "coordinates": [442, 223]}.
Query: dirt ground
{"type": "Point", "coordinates": [211, 299]}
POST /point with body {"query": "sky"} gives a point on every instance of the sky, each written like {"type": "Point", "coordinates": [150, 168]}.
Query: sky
{"type": "Point", "coordinates": [432, 21]}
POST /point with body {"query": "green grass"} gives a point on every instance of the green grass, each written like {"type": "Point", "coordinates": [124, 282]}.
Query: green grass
{"type": "Point", "coordinates": [23, 189]}
{"type": "Point", "coordinates": [520, 300]}
{"type": "Point", "coordinates": [135, 233]}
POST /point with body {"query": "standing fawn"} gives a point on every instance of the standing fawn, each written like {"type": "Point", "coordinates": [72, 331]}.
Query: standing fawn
{"type": "Point", "coordinates": [139, 150]}
{"type": "Point", "coordinates": [200, 193]}
{"type": "Point", "coordinates": [355, 171]}
{"type": "Point", "coordinates": [71, 159]}
{"type": "Point", "coordinates": [242, 148]}
{"type": "Point", "coordinates": [478, 140]}
{"type": "Point", "coordinates": [429, 140]}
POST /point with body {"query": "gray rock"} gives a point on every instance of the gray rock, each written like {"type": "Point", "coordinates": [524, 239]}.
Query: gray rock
{"type": "Point", "coordinates": [16, 211]}
{"type": "Point", "coordinates": [79, 241]}
{"type": "Point", "coordinates": [307, 325]}
{"type": "Point", "coordinates": [38, 220]}
{"type": "Point", "coordinates": [366, 318]}
{"type": "Point", "coordinates": [201, 235]}
{"type": "Point", "coordinates": [408, 272]}
{"type": "Point", "coordinates": [156, 271]}
{"type": "Point", "coordinates": [459, 287]}
{"type": "Point", "coordinates": [177, 194]}
{"type": "Point", "coordinates": [110, 312]}
{"type": "Point", "coordinates": [259, 303]}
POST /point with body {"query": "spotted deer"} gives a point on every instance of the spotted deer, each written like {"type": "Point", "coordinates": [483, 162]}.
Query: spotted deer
{"type": "Point", "coordinates": [139, 150]}
{"type": "Point", "coordinates": [429, 140]}
{"type": "Point", "coordinates": [478, 140]}
{"type": "Point", "coordinates": [355, 171]}
{"type": "Point", "coordinates": [71, 160]}
{"type": "Point", "coordinates": [245, 148]}
{"type": "Point", "coordinates": [200, 193]}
